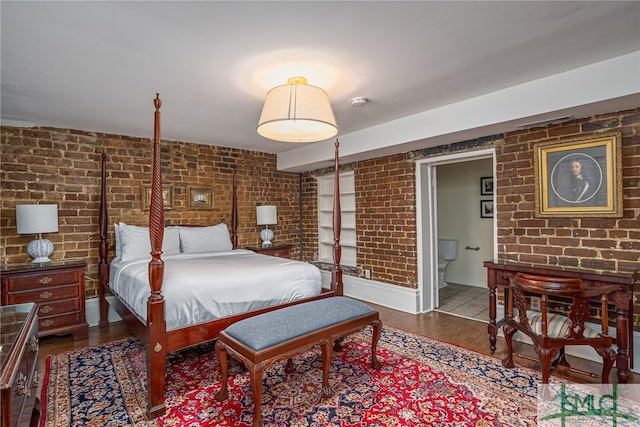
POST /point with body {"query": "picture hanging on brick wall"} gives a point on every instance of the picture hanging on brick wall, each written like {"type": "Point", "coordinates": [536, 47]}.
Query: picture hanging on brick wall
{"type": "Point", "coordinates": [486, 208]}
{"type": "Point", "coordinates": [200, 198]}
{"type": "Point", "coordinates": [486, 186]}
{"type": "Point", "coordinates": [579, 177]}
{"type": "Point", "coordinates": [167, 196]}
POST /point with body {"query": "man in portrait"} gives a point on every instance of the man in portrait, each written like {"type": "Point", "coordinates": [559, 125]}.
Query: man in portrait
{"type": "Point", "coordinates": [579, 182]}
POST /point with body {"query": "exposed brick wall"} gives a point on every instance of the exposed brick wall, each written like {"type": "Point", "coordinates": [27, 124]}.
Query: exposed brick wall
{"type": "Point", "coordinates": [581, 242]}
{"type": "Point", "coordinates": [386, 219]}
{"type": "Point", "coordinates": [63, 166]}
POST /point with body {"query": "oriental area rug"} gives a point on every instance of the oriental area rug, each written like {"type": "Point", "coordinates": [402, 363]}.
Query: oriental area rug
{"type": "Point", "coordinates": [422, 382]}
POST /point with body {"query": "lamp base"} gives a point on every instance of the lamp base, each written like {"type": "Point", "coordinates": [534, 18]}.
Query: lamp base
{"type": "Point", "coordinates": [266, 235]}
{"type": "Point", "coordinates": [39, 250]}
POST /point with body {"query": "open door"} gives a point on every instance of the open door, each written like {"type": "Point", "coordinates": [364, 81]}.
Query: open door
{"type": "Point", "coordinates": [427, 220]}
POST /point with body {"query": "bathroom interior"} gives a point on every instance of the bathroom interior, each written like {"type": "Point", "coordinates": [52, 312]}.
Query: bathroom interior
{"type": "Point", "coordinates": [465, 237]}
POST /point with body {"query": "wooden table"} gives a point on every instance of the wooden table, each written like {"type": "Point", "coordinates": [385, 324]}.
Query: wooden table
{"type": "Point", "coordinates": [18, 363]}
{"type": "Point", "coordinates": [499, 272]}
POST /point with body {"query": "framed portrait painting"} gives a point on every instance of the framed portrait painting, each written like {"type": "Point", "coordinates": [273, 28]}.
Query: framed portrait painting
{"type": "Point", "coordinates": [579, 177]}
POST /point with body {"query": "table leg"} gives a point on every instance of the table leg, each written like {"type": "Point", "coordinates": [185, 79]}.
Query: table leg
{"type": "Point", "coordinates": [492, 327]}
{"type": "Point", "coordinates": [622, 341]}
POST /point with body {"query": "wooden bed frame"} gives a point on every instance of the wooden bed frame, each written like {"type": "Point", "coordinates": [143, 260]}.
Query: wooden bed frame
{"type": "Point", "coordinates": [158, 341]}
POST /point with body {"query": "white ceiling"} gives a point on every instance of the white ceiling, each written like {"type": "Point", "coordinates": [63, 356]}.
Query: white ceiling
{"type": "Point", "coordinates": [96, 65]}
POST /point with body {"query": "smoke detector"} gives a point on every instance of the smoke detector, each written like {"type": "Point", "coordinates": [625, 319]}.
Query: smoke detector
{"type": "Point", "coordinates": [359, 101]}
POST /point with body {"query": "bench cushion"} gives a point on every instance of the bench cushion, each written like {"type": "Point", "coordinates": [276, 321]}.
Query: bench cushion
{"type": "Point", "coordinates": [275, 327]}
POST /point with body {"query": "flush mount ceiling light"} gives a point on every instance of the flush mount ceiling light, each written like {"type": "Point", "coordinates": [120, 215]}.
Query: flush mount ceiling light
{"type": "Point", "coordinates": [297, 112]}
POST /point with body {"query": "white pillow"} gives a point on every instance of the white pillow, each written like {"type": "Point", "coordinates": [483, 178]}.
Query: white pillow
{"type": "Point", "coordinates": [214, 238]}
{"type": "Point", "coordinates": [137, 245]}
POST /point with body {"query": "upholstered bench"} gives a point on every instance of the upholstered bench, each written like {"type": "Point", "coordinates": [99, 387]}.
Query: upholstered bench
{"type": "Point", "coordinates": [261, 340]}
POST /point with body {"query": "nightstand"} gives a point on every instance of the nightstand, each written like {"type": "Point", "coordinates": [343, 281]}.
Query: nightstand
{"type": "Point", "coordinates": [281, 251]}
{"type": "Point", "coordinates": [57, 288]}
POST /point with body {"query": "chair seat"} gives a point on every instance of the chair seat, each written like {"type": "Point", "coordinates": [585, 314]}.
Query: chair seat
{"type": "Point", "coordinates": [557, 325]}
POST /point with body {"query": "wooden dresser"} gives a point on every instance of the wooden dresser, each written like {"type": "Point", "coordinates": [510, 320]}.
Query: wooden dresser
{"type": "Point", "coordinates": [57, 288]}
{"type": "Point", "coordinates": [281, 251]}
{"type": "Point", "coordinates": [18, 365]}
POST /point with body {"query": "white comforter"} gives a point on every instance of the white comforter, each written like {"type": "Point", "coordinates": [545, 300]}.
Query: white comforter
{"type": "Point", "coordinates": [204, 286]}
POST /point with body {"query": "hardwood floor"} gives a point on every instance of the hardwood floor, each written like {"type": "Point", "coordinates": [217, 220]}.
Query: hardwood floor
{"type": "Point", "coordinates": [466, 333]}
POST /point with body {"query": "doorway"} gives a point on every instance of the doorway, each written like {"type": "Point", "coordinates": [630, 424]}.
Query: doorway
{"type": "Point", "coordinates": [453, 182]}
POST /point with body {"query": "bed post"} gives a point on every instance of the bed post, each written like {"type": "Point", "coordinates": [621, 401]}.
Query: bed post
{"type": "Point", "coordinates": [234, 212]}
{"type": "Point", "coordinates": [336, 271]}
{"type": "Point", "coordinates": [103, 248]}
{"type": "Point", "coordinates": [156, 325]}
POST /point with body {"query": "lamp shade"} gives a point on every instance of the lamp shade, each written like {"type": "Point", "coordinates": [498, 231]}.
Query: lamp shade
{"type": "Point", "coordinates": [266, 215]}
{"type": "Point", "coordinates": [297, 112]}
{"type": "Point", "coordinates": [35, 219]}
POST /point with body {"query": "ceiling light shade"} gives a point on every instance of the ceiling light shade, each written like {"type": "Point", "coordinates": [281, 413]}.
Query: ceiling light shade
{"type": "Point", "coordinates": [297, 112]}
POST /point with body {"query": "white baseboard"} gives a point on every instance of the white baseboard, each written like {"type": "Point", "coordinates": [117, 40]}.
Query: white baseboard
{"type": "Point", "coordinates": [395, 297]}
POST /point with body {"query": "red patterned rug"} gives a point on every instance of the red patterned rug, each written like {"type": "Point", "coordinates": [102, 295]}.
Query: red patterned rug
{"type": "Point", "coordinates": [422, 382]}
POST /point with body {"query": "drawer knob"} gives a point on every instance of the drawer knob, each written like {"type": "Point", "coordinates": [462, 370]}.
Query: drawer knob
{"type": "Point", "coordinates": [44, 280]}
{"type": "Point", "coordinates": [33, 344]}
{"type": "Point", "coordinates": [46, 309]}
{"type": "Point", "coordinates": [47, 323]}
{"type": "Point", "coordinates": [45, 295]}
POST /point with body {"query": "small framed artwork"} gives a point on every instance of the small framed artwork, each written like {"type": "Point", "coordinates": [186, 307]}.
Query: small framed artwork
{"type": "Point", "coordinates": [486, 186]}
{"type": "Point", "coordinates": [579, 177]}
{"type": "Point", "coordinates": [167, 196]}
{"type": "Point", "coordinates": [200, 198]}
{"type": "Point", "coordinates": [486, 208]}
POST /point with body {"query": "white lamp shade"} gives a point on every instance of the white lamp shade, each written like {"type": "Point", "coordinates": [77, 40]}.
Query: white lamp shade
{"type": "Point", "coordinates": [266, 215]}
{"type": "Point", "coordinates": [297, 112]}
{"type": "Point", "coordinates": [35, 219]}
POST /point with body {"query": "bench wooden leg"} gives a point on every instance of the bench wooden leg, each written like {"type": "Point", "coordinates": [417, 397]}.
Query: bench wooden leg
{"type": "Point", "coordinates": [327, 354]}
{"type": "Point", "coordinates": [377, 328]}
{"type": "Point", "coordinates": [223, 393]}
{"type": "Point", "coordinates": [289, 366]}
{"type": "Point", "coordinates": [255, 372]}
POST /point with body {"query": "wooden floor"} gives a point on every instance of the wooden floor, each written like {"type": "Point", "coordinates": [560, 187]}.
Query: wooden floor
{"type": "Point", "coordinates": [466, 333]}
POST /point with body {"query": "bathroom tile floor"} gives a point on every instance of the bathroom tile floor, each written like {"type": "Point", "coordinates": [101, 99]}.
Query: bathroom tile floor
{"type": "Point", "coordinates": [471, 302]}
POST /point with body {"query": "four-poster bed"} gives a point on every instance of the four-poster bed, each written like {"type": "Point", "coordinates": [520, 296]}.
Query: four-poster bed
{"type": "Point", "coordinates": [152, 326]}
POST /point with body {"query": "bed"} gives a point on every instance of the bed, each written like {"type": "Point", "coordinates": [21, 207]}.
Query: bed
{"type": "Point", "coordinates": [146, 290]}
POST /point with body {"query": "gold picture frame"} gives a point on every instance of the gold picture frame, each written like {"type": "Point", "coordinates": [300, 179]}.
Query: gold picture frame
{"type": "Point", "coordinates": [580, 177]}
{"type": "Point", "coordinates": [200, 198]}
{"type": "Point", "coordinates": [167, 196]}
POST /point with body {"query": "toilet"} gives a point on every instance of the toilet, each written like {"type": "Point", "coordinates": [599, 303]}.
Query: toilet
{"type": "Point", "coordinates": [447, 251]}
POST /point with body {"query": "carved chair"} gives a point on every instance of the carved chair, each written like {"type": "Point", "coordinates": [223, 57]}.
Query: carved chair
{"type": "Point", "coordinates": [551, 332]}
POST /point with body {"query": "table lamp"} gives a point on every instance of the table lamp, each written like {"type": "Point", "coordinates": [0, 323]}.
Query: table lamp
{"type": "Point", "coordinates": [38, 219]}
{"type": "Point", "coordinates": [266, 214]}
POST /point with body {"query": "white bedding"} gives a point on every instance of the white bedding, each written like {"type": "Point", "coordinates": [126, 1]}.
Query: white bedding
{"type": "Point", "coordinates": [200, 287]}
